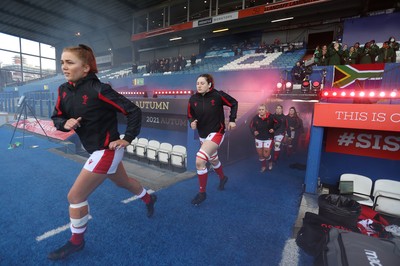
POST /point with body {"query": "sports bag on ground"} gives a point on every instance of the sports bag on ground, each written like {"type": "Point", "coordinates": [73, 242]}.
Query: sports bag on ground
{"type": "Point", "coordinates": [346, 248]}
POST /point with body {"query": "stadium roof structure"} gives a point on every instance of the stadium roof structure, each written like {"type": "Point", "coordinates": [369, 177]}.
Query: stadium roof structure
{"type": "Point", "coordinates": [102, 24]}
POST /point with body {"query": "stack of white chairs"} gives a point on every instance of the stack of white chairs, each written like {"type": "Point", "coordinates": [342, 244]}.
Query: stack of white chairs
{"type": "Point", "coordinates": [178, 156]}
{"type": "Point", "coordinates": [164, 152]}
{"type": "Point", "coordinates": [387, 197]}
{"type": "Point", "coordinates": [141, 147]}
{"type": "Point", "coordinates": [152, 150]}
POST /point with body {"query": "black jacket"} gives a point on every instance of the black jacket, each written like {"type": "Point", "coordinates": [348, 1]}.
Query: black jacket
{"type": "Point", "coordinates": [208, 110]}
{"type": "Point", "coordinates": [282, 124]}
{"type": "Point", "coordinates": [263, 125]}
{"type": "Point", "coordinates": [97, 103]}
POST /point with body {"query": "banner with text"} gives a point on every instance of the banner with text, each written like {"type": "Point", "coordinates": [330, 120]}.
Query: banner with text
{"type": "Point", "coordinates": [166, 114]}
{"type": "Point", "coordinates": [359, 116]}
{"type": "Point", "coordinates": [42, 127]}
{"type": "Point", "coordinates": [165, 106]}
{"type": "Point", "coordinates": [377, 144]}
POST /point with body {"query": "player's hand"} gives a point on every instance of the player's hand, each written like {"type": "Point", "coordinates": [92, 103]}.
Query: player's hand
{"type": "Point", "coordinates": [118, 144]}
{"type": "Point", "coordinates": [73, 123]}
{"type": "Point", "coordinates": [231, 125]}
{"type": "Point", "coordinates": [256, 133]}
{"type": "Point", "coordinates": [193, 125]}
{"type": "Point", "coordinates": [271, 130]}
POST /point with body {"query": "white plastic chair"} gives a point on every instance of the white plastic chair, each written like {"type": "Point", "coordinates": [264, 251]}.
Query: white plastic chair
{"type": "Point", "coordinates": [178, 156]}
{"type": "Point", "coordinates": [152, 150]}
{"type": "Point", "coordinates": [141, 147]}
{"type": "Point", "coordinates": [130, 149]}
{"type": "Point", "coordinates": [164, 152]}
{"type": "Point", "coordinates": [362, 187]}
{"type": "Point", "coordinates": [387, 196]}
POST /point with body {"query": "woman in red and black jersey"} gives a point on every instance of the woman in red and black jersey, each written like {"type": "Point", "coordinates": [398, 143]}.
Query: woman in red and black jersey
{"type": "Point", "coordinates": [90, 107]}
{"type": "Point", "coordinates": [263, 127]}
{"type": "Point", "coordinates": [206, 114]}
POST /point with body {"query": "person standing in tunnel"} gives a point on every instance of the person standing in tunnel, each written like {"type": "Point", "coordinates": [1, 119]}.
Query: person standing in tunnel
{"type": "Point", "coordinates": [279, 133]}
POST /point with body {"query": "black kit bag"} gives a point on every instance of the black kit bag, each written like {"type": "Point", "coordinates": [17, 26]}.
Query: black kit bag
{"type": "Point", "coordinates": [345, 248]}
{"type": "Point", "coordinates": [313, 234]}
{"type": "Point", "coordinates": [339, 209]}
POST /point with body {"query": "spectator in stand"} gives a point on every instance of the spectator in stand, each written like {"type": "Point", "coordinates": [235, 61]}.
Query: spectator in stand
{"type": "Point", "coordinates": [334, 53]}
{"type": "Point", "coordinates": [365, 55]}
{"type": "Point", "coordinates": [345, 54]}
{"type": "Point", "coordinates": [290, 48]}
{"type": "Point", "coordinates": [352, 56]}
{"type": "Point", "coordinates": [297, 73]}
{"type": "Point", "coordinates": [374, 51]}
{"type": "Point", "coordinates": [393, 44]}
{"type": "Point", "coordinates": [386, 54]}
{"type": "Point", "coordinates": [134, 68]}
{"type": "Point", "coordinates": [277, 45]}
{"type": "Point", "coordinates": [317, 55]}
{"type": "Point", "coordinates": [183, 63]}
{"type": "Point", "coordinates": [357, 50]}
{"type": "Point", "coordinates": [193, 59]}
{"type": "Point", "coordinates": [323, 56]}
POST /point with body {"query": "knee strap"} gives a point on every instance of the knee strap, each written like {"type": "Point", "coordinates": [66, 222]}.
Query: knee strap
{"type": "Point", "coordinates": [76, 223]}
{"type": "Point", "coordinates": [214, 157]}
{"type": "Point", "coordinates": [203, 155]}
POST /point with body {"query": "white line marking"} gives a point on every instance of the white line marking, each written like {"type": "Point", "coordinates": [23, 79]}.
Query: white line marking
{"type": "Point", "coordinates": [54, 231]}
{"type": "Point", "coordinates": [125, 201]}
{"type": "Point", "coordinates": [66, 227]}
{"type": "Point", "coordinates": [290, 253]}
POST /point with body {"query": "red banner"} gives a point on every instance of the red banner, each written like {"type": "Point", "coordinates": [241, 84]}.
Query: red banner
{"type": "Point", "coordinates": [42, 126]}
{"type": "Point", "coordinates": [361, 116]}
{"type": "Point", "coordinates": [378, 144]}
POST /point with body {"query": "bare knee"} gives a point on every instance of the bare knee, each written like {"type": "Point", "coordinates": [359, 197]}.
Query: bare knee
{"type": "Point", "coordinates": [75, 198]}
{"type": "Point", "coordinates": [200, 164]}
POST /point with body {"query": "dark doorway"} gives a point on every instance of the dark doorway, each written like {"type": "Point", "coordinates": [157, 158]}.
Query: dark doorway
{"type": "Point", "coordinates": [319, 38]}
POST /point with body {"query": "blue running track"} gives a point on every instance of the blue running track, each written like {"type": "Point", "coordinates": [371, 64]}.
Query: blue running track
{"type": "Point", "coordinates": [247, 224]}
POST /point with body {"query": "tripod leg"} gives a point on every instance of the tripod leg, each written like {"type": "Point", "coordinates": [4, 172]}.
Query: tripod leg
{"type": "Point", "coordinates": [33, 114]}
{"type": "Point", "coordinates": [16, 125]}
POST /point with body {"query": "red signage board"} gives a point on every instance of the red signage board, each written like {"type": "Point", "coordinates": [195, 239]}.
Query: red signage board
{"type": "Point", "coordinates": [383, 117]}
{"type": "Point", "coordinates": [378, 144]}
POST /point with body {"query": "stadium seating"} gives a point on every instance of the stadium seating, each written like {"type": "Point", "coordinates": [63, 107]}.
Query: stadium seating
{"type": "Point", "coordinates": [178, 156]}
{"type": "Point", "coordinates": [387, 197]}
{"type": "Point", "coordinates": [141, 147]}
{"type": "Point", "coordinates": [164, 152]}
{"type": "Point", "coordinates": [152, 150]}
{"type": "Point", "coordinates": [130, 149]}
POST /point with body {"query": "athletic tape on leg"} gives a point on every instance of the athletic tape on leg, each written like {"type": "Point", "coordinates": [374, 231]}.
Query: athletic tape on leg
{"type": "Point", "coordinates": [76, 223]}
{"type": "Point", "coordinates": [217, 166]}
{"type": "Point", "coordinates": [141, 195]}
{"type": "Point", "coordinates": [203, 155]}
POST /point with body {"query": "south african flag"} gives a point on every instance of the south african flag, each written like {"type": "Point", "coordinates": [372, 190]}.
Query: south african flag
{"type": "Point", "coordinates": [366, 76]}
